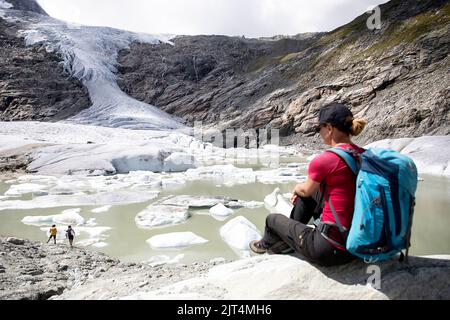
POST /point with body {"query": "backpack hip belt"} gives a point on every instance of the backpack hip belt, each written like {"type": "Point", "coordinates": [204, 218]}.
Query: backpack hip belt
{"type": "Point", "coordinates": [325, 227]}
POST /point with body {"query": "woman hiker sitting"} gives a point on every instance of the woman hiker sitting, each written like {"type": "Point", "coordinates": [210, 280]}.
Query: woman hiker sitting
{"type": "Point", "coordinates": [328, 176]}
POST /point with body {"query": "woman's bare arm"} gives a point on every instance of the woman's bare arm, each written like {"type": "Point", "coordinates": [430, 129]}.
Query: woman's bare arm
{"type": "Point", "coordinates": [306, 189]}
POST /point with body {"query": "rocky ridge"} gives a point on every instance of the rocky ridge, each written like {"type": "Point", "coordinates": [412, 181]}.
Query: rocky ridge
{"type": "Point", "coordinates": [33, 84]}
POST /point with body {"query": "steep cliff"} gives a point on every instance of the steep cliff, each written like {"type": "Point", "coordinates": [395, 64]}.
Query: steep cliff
{"type": "Point", "coordinates": [33, 84]}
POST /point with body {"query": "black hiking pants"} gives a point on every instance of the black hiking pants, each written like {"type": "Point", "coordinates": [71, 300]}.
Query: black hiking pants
{"type": "Point", "coordinates": [54, 239]}
{"type": "Point", "coordinates": [282, 232]}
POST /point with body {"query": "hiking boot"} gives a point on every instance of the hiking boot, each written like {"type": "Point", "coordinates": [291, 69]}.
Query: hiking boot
{"type": "Point", "coordinates": [258, 247]}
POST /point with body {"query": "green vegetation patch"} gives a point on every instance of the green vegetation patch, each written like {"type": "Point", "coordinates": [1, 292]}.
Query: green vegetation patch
{"type": "Point", "coordinates": [411, 29]}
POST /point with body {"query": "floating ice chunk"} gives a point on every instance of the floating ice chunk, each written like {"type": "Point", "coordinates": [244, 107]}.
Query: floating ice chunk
{"type": "Point", "coordinates": [161, 260]}
{"type": "Point", "coordinates": [38, 220]}
{"type": "Point", "coordinates": [195, 201]}
{"type": "Point", "coordinates": [91, 243]}
{"type": "Point", "coordinates": [91, 222]}
{"type": "Point", "coordinates": [96, 236]}
{"type": "Point", "coordinates": [221, 211]}
{"type": "Point", "coordinates": [170, 183]}
{"type": "Point", "coordinates": [101, 209]}
{"type": "Point", "coordinates": [140, 177]}
{"type": "Point", "coordinates": [277, 203]}
{"type": "Point", "coordinates": [70, 217]}
{"type": "Point", "coordinates": [281, 175]}
{"type": "Point", "coordinates": [86, 242]}
{"type": "Point", "coordinates": [224, 174]}
{"type": "Point", "coordinates": [94, 232]}
{"type": "Point", "coordinates": [19, 189]}
{"type": "Point", "coordinates": [175, 240]}
{"type": "Point", "coordinates": [252, 204]}
{"type": "Point", "coordinates": [67, 217]}
{"type": "Point", "coordinates": [161, 215]}
{"type": "Point", "coordinates": [271, 199]}
{"type": "Point", "coordinates": [106, 198]}
{"type": "Point", "coordinates": [238, 233]}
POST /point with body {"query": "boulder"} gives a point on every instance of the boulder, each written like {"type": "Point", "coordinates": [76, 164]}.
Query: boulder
{"type": "Point", "coordinates": [287, 277]}
{"type": "Point", "coordinates": [15, 241]}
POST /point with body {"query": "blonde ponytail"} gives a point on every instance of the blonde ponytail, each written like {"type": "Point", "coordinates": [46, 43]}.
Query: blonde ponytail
{"type": "Point", "coordinates": [358, 126]}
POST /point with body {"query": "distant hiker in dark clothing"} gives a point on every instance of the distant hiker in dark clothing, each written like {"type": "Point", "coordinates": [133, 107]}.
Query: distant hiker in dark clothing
{"type": "Point", "coordinates": [329, 180]}
{"type": "Point", "coordinates": [70, 234]}
{"type": "Point", "coordinates": [53, 233]}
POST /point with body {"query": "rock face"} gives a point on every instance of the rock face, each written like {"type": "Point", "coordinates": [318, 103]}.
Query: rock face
{"type": "Point", "coordinates": [395, 77]}
{"type": "Point", "coordinates": [33, 85]}
{"type": "Point", "coordinates": [208, 78]}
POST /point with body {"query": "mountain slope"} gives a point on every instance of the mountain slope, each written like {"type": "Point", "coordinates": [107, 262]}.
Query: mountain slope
{"type": "Point", "coordinates": [33, 84]}
{"type": "Point", "coordinates": [396, 77]}
{"type": "Point", "coordinates": [206, 78]}
{"type": "Point", "coordinates": [87, 56]}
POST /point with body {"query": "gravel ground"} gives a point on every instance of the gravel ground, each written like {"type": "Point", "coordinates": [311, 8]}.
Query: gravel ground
{"type": "Point", "coordinates": [38, 271]}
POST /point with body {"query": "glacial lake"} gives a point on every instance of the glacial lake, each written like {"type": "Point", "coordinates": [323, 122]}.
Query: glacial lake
{"type": "Point", "coordinates": [127, 242]}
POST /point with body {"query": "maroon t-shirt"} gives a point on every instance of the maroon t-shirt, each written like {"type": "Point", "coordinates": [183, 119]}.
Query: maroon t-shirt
{"type": "Point", "coordinates": [340, 184]}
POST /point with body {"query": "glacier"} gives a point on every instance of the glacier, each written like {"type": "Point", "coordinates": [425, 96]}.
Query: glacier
{"type": "Point", "coordinates": [90, 55]}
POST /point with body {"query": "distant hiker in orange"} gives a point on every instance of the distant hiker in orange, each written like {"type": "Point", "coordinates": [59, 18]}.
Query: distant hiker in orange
{"type": "Point", "coordinates": [53, 233]}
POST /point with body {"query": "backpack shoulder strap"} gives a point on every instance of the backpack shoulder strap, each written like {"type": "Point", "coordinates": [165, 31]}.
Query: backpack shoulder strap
{"type": "Point", "coordinates": [341, 228]}
{"type": "Point", "coordinates": [346, 155]}
{"type": "Point", "coordinates": [355, 167]}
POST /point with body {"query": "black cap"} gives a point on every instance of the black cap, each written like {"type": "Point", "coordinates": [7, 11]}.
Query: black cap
{"type": "Point", "coordinates": [338, 115]}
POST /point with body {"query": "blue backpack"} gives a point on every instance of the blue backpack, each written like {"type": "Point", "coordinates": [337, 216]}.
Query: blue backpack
{"type": "Point", "coordinates": [384, 203]}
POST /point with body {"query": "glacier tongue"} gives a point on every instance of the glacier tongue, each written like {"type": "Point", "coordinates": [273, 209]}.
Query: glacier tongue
{"type": "Point", "coordinates": [90, 54]}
